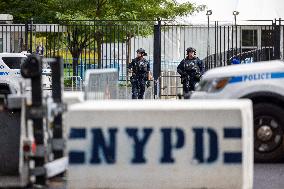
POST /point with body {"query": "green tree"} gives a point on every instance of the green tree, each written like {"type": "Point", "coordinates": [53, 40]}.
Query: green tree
{"type": "Point", "coordinates": [78, 38]}
{"type": "Point", "coordinates": [117, 10]}
{"type": "Point", "coordinates": [23, 10]}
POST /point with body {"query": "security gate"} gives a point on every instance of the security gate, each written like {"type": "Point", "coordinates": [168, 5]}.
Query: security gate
{"type": "Point", "coordinates": [112, 44]}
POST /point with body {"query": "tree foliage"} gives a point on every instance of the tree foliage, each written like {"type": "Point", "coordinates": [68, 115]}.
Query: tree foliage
{"type": "Point", "coordinates": [44, 11]}
{"type": "Point", "coordinates": [129, 9]}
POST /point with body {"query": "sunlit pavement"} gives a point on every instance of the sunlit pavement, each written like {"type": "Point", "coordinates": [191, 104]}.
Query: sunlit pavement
{"type": "Point", "coordinates": [269, 176]}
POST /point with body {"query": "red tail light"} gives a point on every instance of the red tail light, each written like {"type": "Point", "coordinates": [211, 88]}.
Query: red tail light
{"type": "Point", "coordinates": [27, 148]}
{"type": "Point", "coordinates": [33, 147]}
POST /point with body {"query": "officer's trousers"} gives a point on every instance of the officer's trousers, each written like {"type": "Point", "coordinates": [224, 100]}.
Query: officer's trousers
{"type": "Point", "coordinates": [138, 89]}
{"type": "Point", "coordinates": [188, 86]}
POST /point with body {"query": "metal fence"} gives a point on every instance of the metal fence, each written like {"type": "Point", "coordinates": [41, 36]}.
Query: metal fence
{"type": "Point", "coordinates": [247, 43]}
{"type": "Point", "coordinates": [112, 44]}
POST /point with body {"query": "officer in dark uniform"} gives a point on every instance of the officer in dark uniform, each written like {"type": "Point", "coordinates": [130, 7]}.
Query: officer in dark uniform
{"type": "Point", "coordinates": [190, 69]}
{"type": "Point", "coordinates": [140, 69]}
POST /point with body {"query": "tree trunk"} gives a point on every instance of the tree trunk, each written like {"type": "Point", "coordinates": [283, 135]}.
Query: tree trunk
{"type": "Point", "coordinates": [75, 65]}
{"type": "Point", "coordinates": [99, 39]}
{"type": "Point", "coordinates": [99, 50]}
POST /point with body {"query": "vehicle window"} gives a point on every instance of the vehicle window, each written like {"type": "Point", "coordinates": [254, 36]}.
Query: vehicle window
{"type": "Point", "coordinates": [203, 85]}
{"type": "Point", "coordinates": [13, 62]}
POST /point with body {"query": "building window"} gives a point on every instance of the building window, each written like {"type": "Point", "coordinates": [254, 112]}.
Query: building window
{"type": "Point", "coordinates": [249, 38]}
{"type": "Point", "coordinates": [1, 45]}
{"type": "Point", "coordinates": [266, 38]}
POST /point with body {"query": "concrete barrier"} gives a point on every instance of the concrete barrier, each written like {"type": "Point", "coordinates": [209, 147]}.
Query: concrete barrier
{"type": "Point", "coordinates": [73, 97]}
{"type": "Point", "coordinates": [160, 144]}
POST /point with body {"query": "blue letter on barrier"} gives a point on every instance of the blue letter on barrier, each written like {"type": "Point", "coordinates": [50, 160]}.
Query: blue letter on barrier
{"type": "Point", "coordinates": [199, 145]}
{"type": "Point", "coordinates": [77, 157]}
{"type": "Point", "coordinates": [168, 144]}
{"type": "Point", "coordinates": [139, 144]}
{"type": "Point", "coordinates": [233, 157]}
{"type": "Point", "coordinates": [100, 143]}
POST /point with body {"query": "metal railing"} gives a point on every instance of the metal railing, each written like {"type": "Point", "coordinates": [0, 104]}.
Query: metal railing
{"type": "Point", "coordinates": [73, 83]}
{"type": "Point", "coordinates": [170, 85]}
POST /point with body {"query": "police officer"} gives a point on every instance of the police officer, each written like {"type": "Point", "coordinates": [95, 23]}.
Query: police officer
{"type": "Point", "coordinates": [140, 69]}
{"type": "Point", "coordinates": [190, 69]}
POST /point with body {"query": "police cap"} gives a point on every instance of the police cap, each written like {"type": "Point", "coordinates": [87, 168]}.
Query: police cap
{"type": "Point", "coordinates": [142, 51]}
{"type": "Point", "coordinates": [190, 49]}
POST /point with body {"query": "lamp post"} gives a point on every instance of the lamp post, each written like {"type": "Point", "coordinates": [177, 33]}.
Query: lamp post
{"type": "Point", "coordinates": [236, 13]}
{"type": "Point", "coordinates": [208, 13]}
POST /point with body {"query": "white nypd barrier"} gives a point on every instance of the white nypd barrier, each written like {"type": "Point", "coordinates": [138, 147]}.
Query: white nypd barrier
{"type": "Point", "coordinates": [160, 144]}
{"type": "Point", "coordinates": [73, 97]}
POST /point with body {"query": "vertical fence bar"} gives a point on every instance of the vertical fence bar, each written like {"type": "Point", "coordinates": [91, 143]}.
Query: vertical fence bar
{"type": "Point", "coordinates": [236, 30]}
{"type": "Point", "coordinates": [14, 39]}
{"type": "Point", "coordinates": [224, 47]}
{"type": "Point", "coordinates": [94, 43]}
{"type": "Point", "coordinates": [122, 51]}
{"type": "Point", "coordinates": [2, 44]}
{"type": "Point", "coordinates": [220, 62]}
{"type": "Point", "coordinates": [217, 50]}
{"type": "Point", "coordinates": [31, 36]}
{"type": "Point", "coordinates": [157, 57]}
{"type": "Point", "coordinates": [114, 46]}
{"type": "Point", "coordinates": [21, 38]}
{"type": "Point", "coordinates": [6, 39]}
{"type": "Point", "coordinates": [215, 57]}
{"type": "Point", "coordinates": [264, 36]}
{"type": "Point", "coordinates": [46, 37]}
{"type": "Point", "coordinates": [229, 51]}
{"type": "Point", "coordinates": [282, 40]}
{"type": "Point", "coordinates": [101, 46]}
{"type": "Point", "coordinates": [85, 51]}
{"type": "Point", "coordinates": [240, 29]}
{"type": "Point", "coordinates": [232, 45]}
{"type": "Point", "coordinates": [276, 40]}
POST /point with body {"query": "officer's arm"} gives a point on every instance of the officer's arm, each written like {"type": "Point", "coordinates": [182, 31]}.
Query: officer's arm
{"type": "Point", "coordinates": [201, 66]}
{"type": "Point", "coordinates": [180, 68]}
{"type": "Point", "coordinates": [149, 71]}
{"type": "Point", "coordinates": [130, 66]}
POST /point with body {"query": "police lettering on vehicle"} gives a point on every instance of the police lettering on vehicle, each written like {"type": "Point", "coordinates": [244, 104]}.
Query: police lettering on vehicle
{"type": "Point", "coordinates": [4, 73]}
{"type": "Point", "coordinates": [257, 76]}
{"type": "Point", "coordinates": [2, 67]}
{"type": "Point", "coordinates": [104, 146]}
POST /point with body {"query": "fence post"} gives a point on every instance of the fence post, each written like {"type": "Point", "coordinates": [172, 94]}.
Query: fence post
{"type": "Point", "coordinates": [26, 36]}
{"type": "Point", "coordinates": [31, 35]}
{"type": "Point", "coordinates": [157, 58]}
{"type": "Point", "coordinates": [276, 40]}
{"type": "Point", "coordinates": [57, 87]}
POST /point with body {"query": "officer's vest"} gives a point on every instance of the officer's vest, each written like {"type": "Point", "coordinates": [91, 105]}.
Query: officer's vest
{"type": "Point", "coordinates": [140, 67]}
{"type": "Point", "coordinates": [191, 66]}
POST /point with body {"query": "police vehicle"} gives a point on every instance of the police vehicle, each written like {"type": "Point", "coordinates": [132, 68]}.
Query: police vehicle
{"type": "Point", "coordinates": [10, 76]}
{"type": "Point", "coordinates": [261, 82]}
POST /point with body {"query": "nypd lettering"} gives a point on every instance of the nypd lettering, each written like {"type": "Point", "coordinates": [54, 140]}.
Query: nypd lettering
{"type": "Point", "coordinates": [104, 147]}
